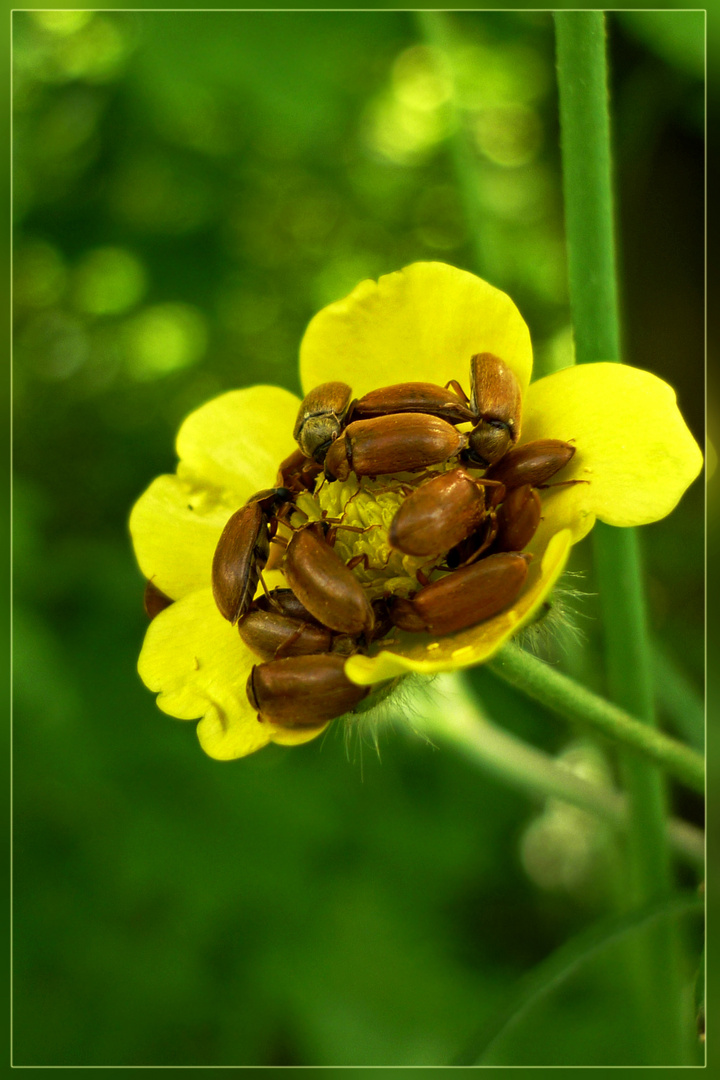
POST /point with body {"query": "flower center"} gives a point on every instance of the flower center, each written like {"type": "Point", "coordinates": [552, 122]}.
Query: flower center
{"type": "Point", "coordinates": [367, 507]}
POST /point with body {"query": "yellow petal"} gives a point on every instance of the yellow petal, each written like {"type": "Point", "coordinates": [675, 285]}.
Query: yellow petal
{"type": "Point", "coordinates": [421, 324]}
{"type": "Point", "coordinates": [229, 449]}
{"type": "Point", "coordinates": [237, 440]}
{"type": "Point", "coordinates": [633, 446]}
{"type": "Point", "coordinates": [197, 663]}
{"type": "Point", "coordinates": [421, 653]}
{"type": "Point", "coordinates": [175, 527]}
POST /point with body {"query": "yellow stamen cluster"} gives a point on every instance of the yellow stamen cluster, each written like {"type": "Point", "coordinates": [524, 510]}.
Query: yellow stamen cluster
{"type": "Point", "coordinates": [370, 506]}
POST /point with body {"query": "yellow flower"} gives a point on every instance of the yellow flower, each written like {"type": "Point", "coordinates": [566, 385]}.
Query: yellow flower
{"type": "Point", "coordinates": [421, 324]}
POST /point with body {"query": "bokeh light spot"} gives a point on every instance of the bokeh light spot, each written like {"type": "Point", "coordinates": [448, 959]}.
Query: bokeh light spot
{"type": "Point", "coordinates": [62, 23]}
{"type": "Point", "coordinates": [54, 344]}
{"type": "Point", "coordinates": [164, 338]}
{"type": "Point", "coordinates": [499, 75]}
{"type": "Point", "coordinates": [244, 312]}
{"type": "Point", "coordinates": [420, 80]}
{"type": "Point", "coordinates": [509, 135]}
{"type": "Point", "coordinates": [65, 132]}
{"type": "Point", "coordinates": [402, 134]}
{"type": "Point", "coordinates": [108, 281]}
{"type": "Point", "coordinates": [39, 276]}
{"type": "Point", "coordinates": [96, 53]}
{"type": "Point", "coordinates": [157, 194]}
{"type": "Point", "coordinates": [440, 220]}
{"type": "Point", "coordinates": [524, 195]}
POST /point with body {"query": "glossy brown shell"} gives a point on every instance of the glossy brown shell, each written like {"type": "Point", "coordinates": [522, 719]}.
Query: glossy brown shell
{"type": "Point", "coordinates": [413, 397]}
{"type": "Point", "coordinates": [240, 555]}
{"type": "Point", "coordinates": [534, 463]}
{"type": "Point", "coordinates": [402, 442]}
{"type": "Point", "coordinates": [303, 691]}
{"type": "Point", "coordinates": [320, 418]}
{"type": "Point", "coordinates": [271, 635]}
{"type": "Point", "coordinates": [439, 514]}
{"type": "Point", "coordinates": [322, 582]}
{"type": "Point", "coordinates": [465, 597]}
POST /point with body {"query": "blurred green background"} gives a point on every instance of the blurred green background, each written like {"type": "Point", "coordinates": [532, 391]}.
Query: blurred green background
{"type": "Point", "coordinates": [189, 189]}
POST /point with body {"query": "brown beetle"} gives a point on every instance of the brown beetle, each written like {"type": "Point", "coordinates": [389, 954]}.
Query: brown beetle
{"type": "Point", "coordinates": [320, 418]}
{"type": "Point", "coordinates": [413, 397]}
{"type": "Point", "coordinates": [288, 628]}
{"type": "Point", "coordinates": [401, 442]}
{"type": "Point", "coordinates": [298, 473]}
{"type": "Point", "coordinates": [154, 601]}
{"type": "Point", "coordinates": [323, 583]}
{"type": "Point", "coordinates": [518, 518]}
{"type": "Point", "coordinates": [242, 552]}
{"type": "Point", "coordinates": [439, 514]}
{"type": "Point", "coordinates": [383, 622]}
{"type": "Point", "coordinates": [283, 602]}
{"type": "Point", "coordinates": [463, 598]}
{"type": "Point", "coordinates": [496, 400]}
{"type": "Point", "coordinates": [272, 635]}
{"type": "Point", "coordinates": [534, 463]}
{"type": "Point", "coordinates": [476, 544]}
{"type": "Point", "coordinates": [303, 691]}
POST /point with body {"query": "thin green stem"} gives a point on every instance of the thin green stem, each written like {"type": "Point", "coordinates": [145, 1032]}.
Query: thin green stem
{"type": "Point", "coordinates": [678, 697]}
{"type": "Point", "coordinates": [575, 702]}
{"type": "Point", "coordinates": [456, 717]}
{"type": "Point", "coordinates": [561, 965]}
{"type": "Point", "coordinates": [587, 186]}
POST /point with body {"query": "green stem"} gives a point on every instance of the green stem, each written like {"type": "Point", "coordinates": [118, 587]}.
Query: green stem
{"type": "Point", "coordinates": [561, 965]}
{"type": "Point", "coordinates": [587, 188]}
{"type": "Point", "coordinates": [677, 695]}
{"type": "Point", "coordinates": [575, 702]}
{"type": "Point", "coordinates": [582, 83]}
{"type": "Point", "coordinates": [456, 717]}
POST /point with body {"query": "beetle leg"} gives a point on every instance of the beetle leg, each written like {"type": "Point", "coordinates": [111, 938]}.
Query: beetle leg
{"type": "Point", "coordinates": [290, 640]}
{"type": "Point", "coordinates": [466, 553]}
{"type": "Point", "coordinates": [358, 528]}
{"type": "Point", "coordinates": [349, 528]}
{"type": "Point", "coordinates": [357, 560]}
{"type": "Point", "coordinates": [264, 586]}
{"type": "Point", "coordinates": [272, 600]}
{"type": "Point", "coordinates": [487, 542]}
{"type": "Point", "coordinates": [561, 483]}
{"type": "Point", "coordinates": [455, 385]}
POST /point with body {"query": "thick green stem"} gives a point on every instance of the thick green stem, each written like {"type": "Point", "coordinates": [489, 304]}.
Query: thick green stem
{"type": "Point", "coordinates": [587, 186]}
{"type": "Point", "coordinates": [575, 702]}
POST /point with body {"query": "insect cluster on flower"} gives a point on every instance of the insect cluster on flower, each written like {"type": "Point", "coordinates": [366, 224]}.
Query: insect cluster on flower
{"type": "Point", "coordinates": [467, 532]}
{"type": "Point", "coordinates": [397, 521]}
